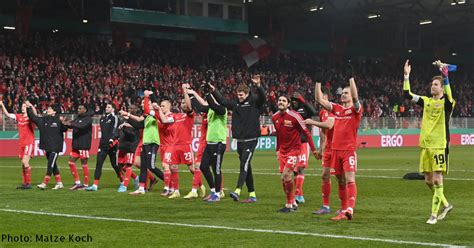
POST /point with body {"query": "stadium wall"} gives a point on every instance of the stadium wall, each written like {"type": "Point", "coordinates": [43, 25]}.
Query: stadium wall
{"type": "Point", "coordinates": [374, 138]}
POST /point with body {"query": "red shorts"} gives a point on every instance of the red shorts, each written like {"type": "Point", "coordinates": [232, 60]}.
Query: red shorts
{"type": "Point", "coordinates": [125, 158]}
{"type": "Point", "coordinates": [200, 151]}
{"type": "Point", "coordinates": [303, 157]}
{"type": "Point", "coordinates": [138, 151]}
{"type": "Point", "coordinates": [166, 153]}
{"type": "Point", "coordinates": [343, 161]}
{"type": "Point", "coordinates": [326, 160]}
{"type": "Point", "coordinates": [81, 154]}
{"type": "Point", "coordinates": [26, 151]}
{"type": "Point", "coordinates": [183, 154]}
{"type": "Point", "coordinates": [288, 160]}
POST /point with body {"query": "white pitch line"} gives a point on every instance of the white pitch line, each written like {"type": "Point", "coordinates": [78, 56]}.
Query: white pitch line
{"type": "Point", "coordinates": [393, 241]}
{"type": "Point", "coordinates": [236, 171]}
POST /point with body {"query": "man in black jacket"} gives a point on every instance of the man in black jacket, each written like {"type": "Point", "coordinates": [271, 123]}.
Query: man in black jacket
{"type": "Point", "coordinates": [246, 129]}
{"type": "Point", "coordinates": [81, 143]}
{"type": "Point", "coordinates": [107, 146]}
{"type": "Point", "coordinates": [51, 140]}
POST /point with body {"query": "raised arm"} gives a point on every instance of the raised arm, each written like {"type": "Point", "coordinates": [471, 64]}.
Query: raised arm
{"type": "Point", "coordinates": [198, 106]}
{"type": "Point", "coordinates": [219, 109]}
{"type": "Point", "coordinates": [318, 96]}
{"type": "Point", "coordinates": [187, 100]}
{"type": "Point", "coordinates": [222, 101]}
{"type": "Point", "coordinates": [406, 85]}
{"type": "Point", "coordinates": [32, 114]}
{"type": "Point", "coordinates": [444, 68]}
{"type": "Point", "coordinates": [355, 94]}
{"type": "Point", "coordinates": [5, 111]}
{"type": "Point", "coordinates": [261, 98]}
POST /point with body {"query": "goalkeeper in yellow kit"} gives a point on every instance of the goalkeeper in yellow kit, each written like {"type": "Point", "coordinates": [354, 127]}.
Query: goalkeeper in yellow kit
{"type": "Point", "coordinates": [434, 136]}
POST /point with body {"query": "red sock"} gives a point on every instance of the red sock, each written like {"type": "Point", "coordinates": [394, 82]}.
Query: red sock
{"type": "Point", "coordinates": [142, 185]}
{"type": "Point", "coordinates": [167, 178]}
{"type": "Point", "coordinates": [197, 179]}
{"type": "Point", "coordinates": [23, 174]}
{"type": "Point", "coordinates": [175, 179]}
{"type": "Point", "coordinates": [326, 192]}
{"type": "Point", "coordinates": [72, 166]}
{"type": "Point", "coordinates": [343, 196]}
{"type": "Point", "coordinates": [290, 193]}
{"type": "Point", "coordinates": [85, 170]}
{"type": "Point", "coordinates": [46, 179]}
{"type": "Point", "coordinates": [96, 182]}
{"type": "Point", "coordinates": [351, 194]}
{"type": "Point", "coordinates": [58, 178]}
{"type": "Point", "coordinates": [28, 175]}
{"type": "Point", "coordinates": [299, 180]}
{"type": "Point", "coordinates": [128, 174]}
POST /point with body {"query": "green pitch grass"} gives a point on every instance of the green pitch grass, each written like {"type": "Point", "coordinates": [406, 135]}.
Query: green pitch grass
{"type": "Point", "coordinates": [387, 208]}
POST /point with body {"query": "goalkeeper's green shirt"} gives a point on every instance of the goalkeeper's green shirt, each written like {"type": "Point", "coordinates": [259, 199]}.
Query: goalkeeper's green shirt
{"type": "Point", "coordinates": [216, 127]}
{"type": "Point", "coordinates": [436, 115]}
{"type": "Point", "coordinates": [150, 131]}
{"type": "Point", "coordinates": [435, 123]}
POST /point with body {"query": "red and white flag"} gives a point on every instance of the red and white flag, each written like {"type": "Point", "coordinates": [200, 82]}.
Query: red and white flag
{"type": "Point", "coordinates": [253, 50]}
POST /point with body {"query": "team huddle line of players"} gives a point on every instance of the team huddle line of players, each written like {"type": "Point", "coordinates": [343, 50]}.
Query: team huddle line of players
{"type": "Point", "coordinates": [136, 138]}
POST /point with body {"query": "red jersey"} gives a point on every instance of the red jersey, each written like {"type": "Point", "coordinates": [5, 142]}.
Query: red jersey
{"type": "Point", "coordinates": [26, 130]}
{"type": "Point", "coordinates": [345, 127]}
{"type": "Point", "coordinates": [183, 128]}
{"type": "Point", "coordinates": [202, 139]}
{"type": "Point", "coordinates": [166, 131]}
{"type": "Point", "coordinates": [289, 126]}
{"type": "Point", "coordinates": [323, 116]}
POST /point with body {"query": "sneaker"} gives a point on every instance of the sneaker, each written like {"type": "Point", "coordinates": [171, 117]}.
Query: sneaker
{"type": "Point", "coordinates": [295, 206]}
{"type": "Point", "coordinates": [214, 198]}
{"type": "Point", "coordinates": [24, 186]}
{"type": "Point", "coordinates": [349, 213]}
{"type": "Point", "coordinates": [432, 220]}
{"type": "Point", "coordinates": [138, 192]}
{"type": "Point", "coordinates": [166, 193]}
{"type": "Point", "coordinates": [299, 199]}
{"type": "Point", "coordinates": [58, 186]}
{"type": "Point", "coordinates": [445, 211]}
{"type": "Point", "coordinates": [76, 186]}
{"type": "Point", "coordinates": [323, 210]}
{"type": "Point", "coordinates": [191, 195]}
{"type": "Point", "coordinates": [122, 188]}
{"type": "Point", "coordinates": [92, 188]}
{"type": "Point", "coordinates": [175, 194]}
{"type": "Point", "coordinates": [208, 197]}
{"type": "Point", "coordinates": [221, 194]}
{"type": "Point", "coordinates": [340, 216]}
{"type": "Point", "coordinates": [249, 200]}
{"type": "Point", "coordinates": [234, 196]}
{"type": "Point", "coordinates": [41, 186]}
{"type": "Point", "coordinates": [150, 186]}
{"type": "Point", "coordinates": [202, 191]}
{"type": "Point", "coordinates": [286, 210]}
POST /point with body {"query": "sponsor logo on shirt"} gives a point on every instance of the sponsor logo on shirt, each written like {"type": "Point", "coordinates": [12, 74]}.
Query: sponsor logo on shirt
{"type": "Point", "coordinates": [54, 124]}
{"type": "Point", "coordinates": [348, 112]}
{"type": "Point", "coordinates": [288, 123]}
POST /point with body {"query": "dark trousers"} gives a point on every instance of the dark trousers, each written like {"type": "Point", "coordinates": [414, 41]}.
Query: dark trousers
{"type": "Point", "coordinates": [212, 157]}
{"type": "Point", "coordinates": [101, 156]}
{"type": "Point", "coordinates": [52, 165]}
{"type": "Point", "coordinates": [246, 151]}
{"type": "Point", "coordinates": [148, 159]}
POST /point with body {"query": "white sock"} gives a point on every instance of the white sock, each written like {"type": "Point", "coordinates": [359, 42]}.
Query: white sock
{"type": "Point", "coordinates": [194, 190]}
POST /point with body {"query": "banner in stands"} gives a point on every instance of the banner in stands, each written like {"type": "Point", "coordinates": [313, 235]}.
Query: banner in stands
{"type": "Point", "coordinates": [372, 139]}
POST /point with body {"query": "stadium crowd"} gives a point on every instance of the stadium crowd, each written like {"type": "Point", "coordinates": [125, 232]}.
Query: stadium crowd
{"type": "Point", "coordinates": [69, 70]}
